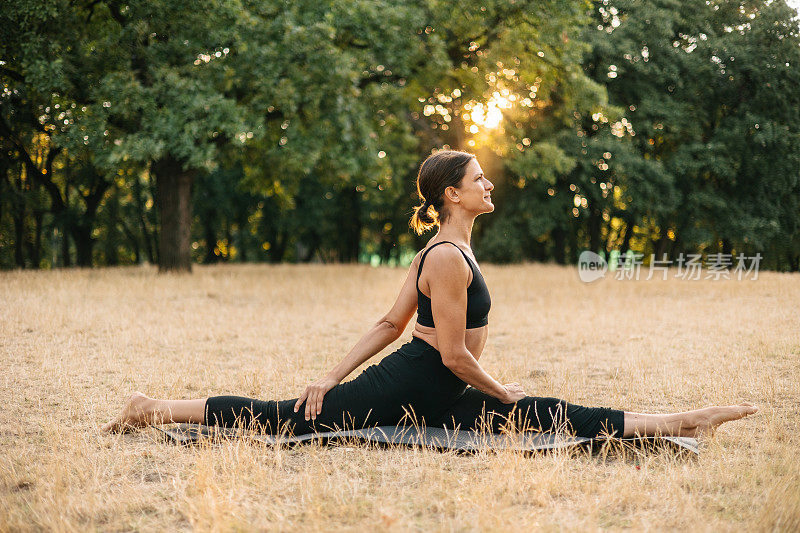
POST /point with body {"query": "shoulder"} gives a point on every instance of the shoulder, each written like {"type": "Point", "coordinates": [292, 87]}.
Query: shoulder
{"type": "Point", "coordinates": [418, 257]}
{"type": "Point", "coordinates": [446, 259]}
{"type": "Point", "coordinates": [416, 260]}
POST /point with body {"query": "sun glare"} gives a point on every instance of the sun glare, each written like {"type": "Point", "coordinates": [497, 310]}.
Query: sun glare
{"type": "Point", "coordinates": [480, 119]}
{"type": "Point", "coordinates": [489, 115]}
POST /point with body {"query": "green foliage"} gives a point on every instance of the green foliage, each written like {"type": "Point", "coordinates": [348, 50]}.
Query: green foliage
{"type": "Point", "coordinates": [656, 126]}
{"type": "Point", "coordinates": [707, 158]}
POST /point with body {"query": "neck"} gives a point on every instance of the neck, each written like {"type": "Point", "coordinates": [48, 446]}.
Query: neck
{"type": "Point", "coordinates": [458, 228]}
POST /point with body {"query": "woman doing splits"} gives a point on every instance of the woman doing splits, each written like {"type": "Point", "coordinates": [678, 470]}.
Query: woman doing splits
{"type": "Point", "coordinates": [435, 379]}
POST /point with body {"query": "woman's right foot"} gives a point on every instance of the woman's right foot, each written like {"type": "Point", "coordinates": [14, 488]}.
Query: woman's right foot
{"type": "Point", "coordinates": [137, 413]}
{"type": "Point", "coordinates": [704, 422]}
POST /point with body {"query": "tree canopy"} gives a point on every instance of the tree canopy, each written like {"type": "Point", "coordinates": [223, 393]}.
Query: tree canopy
{"type": "Point", "coordinates": [292, 131]}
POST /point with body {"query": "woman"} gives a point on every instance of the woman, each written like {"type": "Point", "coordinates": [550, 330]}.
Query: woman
{"type": "Point", "coordinates": [435, 379]}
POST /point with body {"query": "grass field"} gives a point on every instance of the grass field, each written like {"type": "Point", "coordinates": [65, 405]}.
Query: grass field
{"type": "Point", "coordinates": [74, 343]}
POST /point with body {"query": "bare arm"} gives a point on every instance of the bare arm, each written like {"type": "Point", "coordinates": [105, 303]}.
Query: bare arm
{"type": "Point", "coordinates": [384, 332]}
{"type": "Point", "coordinates": [450, 274]}
{"type": "Point", "coordinates": [381, 335]}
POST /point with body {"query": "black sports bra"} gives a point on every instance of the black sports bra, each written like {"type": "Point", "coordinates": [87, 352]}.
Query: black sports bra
{"type": "Point", "coordinates": [478, 299]}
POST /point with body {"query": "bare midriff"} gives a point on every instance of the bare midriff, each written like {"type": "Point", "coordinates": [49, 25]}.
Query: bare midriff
{"type": "Point", "coordinates": [474, 338]}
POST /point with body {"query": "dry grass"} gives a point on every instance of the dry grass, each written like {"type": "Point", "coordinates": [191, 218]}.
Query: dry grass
{"type": "Point", "coordinates": [74, 343]}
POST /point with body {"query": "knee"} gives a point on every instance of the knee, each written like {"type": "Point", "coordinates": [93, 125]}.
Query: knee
{"type": "Point", "coordinates": [591, 422]}
{"type": "Point", "coordinates": [542, 413]}
{"type": "Point", "coordinates": [553, 407]}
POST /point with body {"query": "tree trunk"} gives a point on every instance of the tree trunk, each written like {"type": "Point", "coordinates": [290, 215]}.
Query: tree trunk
{"type": "Point", "coordinates": [211, 240]}
{"type": "Point", "coordinates": [312, 249]}
{"type": "Point", "coordinates": [65, 217]}
{"type": "Point", "coordinates": [112, 232]}
{"type": "Point", "coordinates": [279, 250]}
{"type": "Point", "coordinates": [133, 239]}
{"type": "Point", "coordinates": [36, 244]}
{"type": "Point", "coordinates": [242, 231]}
{"type": "Point", "coordinates": [660, 246]}
{"type": "Point", "coordinates": [66, 258]}
{"type": "Point", "coordinates": [353, 231]}
{"type": "Point", "coordinates": [626, 242]}
{"type": "Point", "coordinates": [84, 244]}
{"type": "Point", "coordinates": [18, 215]}
{"type": "Point", "coordinates": [595, 221]}
{"type": "Point", "coordinates": [82, 230]}
{"type": "Point", "coordinates": [3, 192]}
{"type": "Point", "coordinates": [559, 246]}
{"type": "Point", "coordinates": [387, 247]}
{"type": "Point", "coordinates": [174, 196]}
{"type": "Point", "coordinates": [140, 213]}
{"type": "Point", "coordinates": [228, 241]}
{"type": "Point", "coordinates": [727, 246]}
{"type": "Point", "coordinates": [571, 255]}
{"type": "Point", "coordinates": [19, 239]}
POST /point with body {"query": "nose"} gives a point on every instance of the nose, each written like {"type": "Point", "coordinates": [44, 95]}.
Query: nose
{"type": "Point", "coordinates": [490, 186]}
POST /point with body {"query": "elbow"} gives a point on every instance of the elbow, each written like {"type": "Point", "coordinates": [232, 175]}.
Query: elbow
{"type": "Point", "coordinates": [391, 327]}
{"type": "Point", "coordinates": [452, 360]}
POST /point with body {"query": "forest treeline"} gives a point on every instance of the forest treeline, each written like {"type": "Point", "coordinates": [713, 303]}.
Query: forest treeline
{"type": "Point", "coordinates": [175, 132]}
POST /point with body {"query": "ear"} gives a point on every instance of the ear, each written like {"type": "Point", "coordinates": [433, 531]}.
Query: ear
{"type": "Point", "coordinates": [452, 193]}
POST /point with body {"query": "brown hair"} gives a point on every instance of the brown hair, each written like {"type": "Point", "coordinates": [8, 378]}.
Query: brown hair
{"type": "Point", "coordinates": [442, 169]}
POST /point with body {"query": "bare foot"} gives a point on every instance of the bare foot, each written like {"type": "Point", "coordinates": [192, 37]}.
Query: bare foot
{"type": "Point", "coordinates": [137, 413]}
{"type": "Point", "coordinates": [706, 420]}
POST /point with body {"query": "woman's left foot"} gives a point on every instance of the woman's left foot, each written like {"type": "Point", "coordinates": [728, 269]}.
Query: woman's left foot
{"type": "Point", "coordinates": [707, 420]}
{"type": "Point", "coordinates": [137, 413]}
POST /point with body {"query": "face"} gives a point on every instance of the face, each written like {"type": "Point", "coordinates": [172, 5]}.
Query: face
{"type": "Point", "coordinates": [474, 194]}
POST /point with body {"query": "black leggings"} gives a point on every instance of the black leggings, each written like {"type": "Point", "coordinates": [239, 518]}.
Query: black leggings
{"type": "Point", "coordinates": [412, 386]}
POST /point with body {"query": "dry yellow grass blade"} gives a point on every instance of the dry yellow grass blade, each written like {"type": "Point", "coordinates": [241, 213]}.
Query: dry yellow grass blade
{"type": "Point", "coordinates": [73, 343]}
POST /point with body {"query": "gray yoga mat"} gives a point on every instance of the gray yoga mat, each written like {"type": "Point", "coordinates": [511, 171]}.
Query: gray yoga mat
{"type": "Point", "coordinates": [430, 437]}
